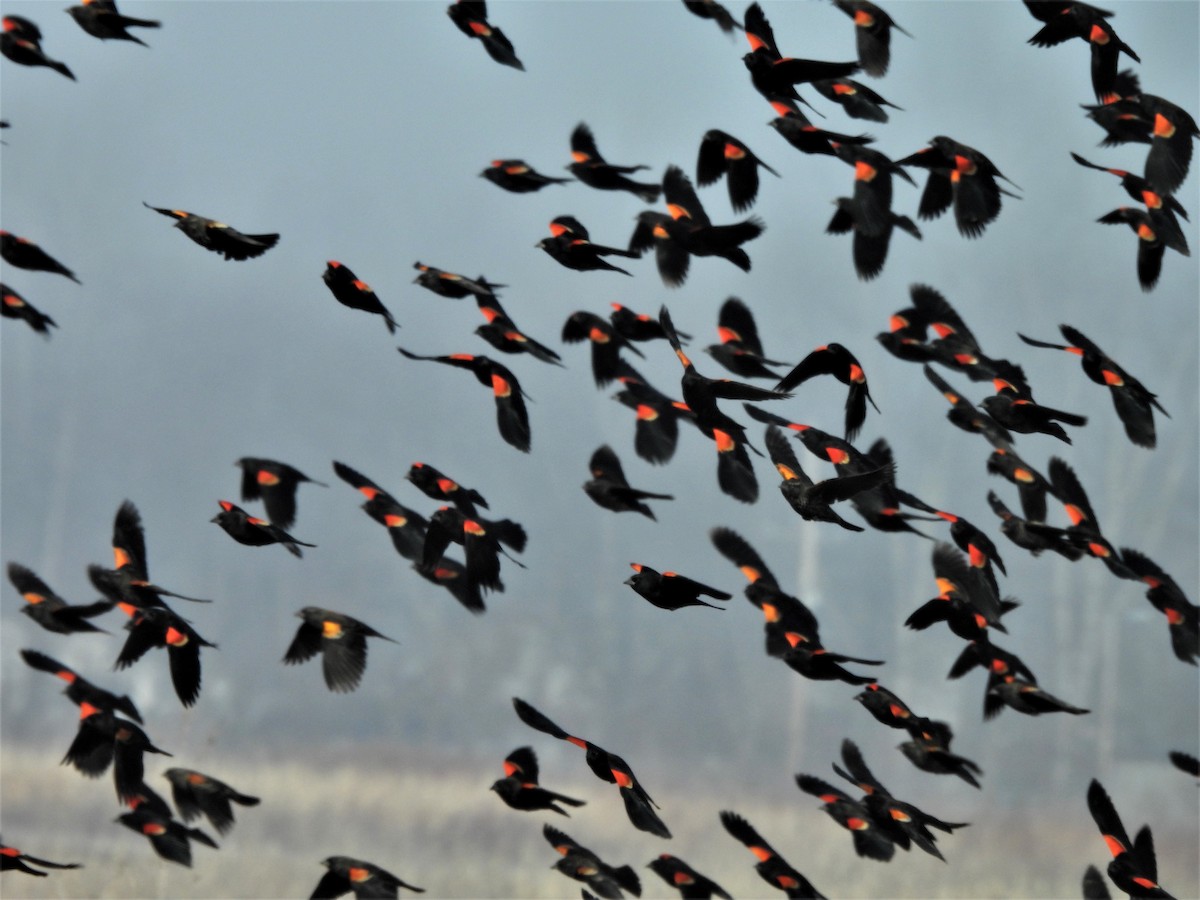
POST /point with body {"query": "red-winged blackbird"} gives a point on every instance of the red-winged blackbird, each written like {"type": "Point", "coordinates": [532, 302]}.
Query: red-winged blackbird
{"type": "Point", "coordinates": [723, 154]}
{"type": "Point", "coordinates": [48, 609]}
{"type": "Point", "coordinates": [1161, 208]}
{"type": "Point", "coordinates": [583, 865]}
{"type": "Point", "coordinates": [25, 254]}
{"type": "Point", "coordinates": [470, 17]}
{"type": "Point", "coordinates": [966, 602]}
{"type": "Point", "coordinates": [873, 34]}
{"type": "Point", "coordinates": [1018, 412]}
{"type": "Point", "coordinates": [980, 550]}
{"type": "Point", "coordinates": [21, 42]}
{"type": "Point", "coordinates": [570, 246]}
{"type": "Point", "coordinates": [657, 425]}
{"type": "Point", "coordinates": [670, 590]}
{"type": "Point", "coordinates": [609, 489]}
{"type": "Point", "coordinates": [217, 236]}
{"type": "Point", "coordinates": [774, 74]}
{"type": "Point", "coordinates": [157, 626]}
{"type": "Point", "coordinates": [103, 738]}
{"type": "Point", "coordinates": [635, 326]}
{"type": "Point", "coordinates": [1133, 867]}
{"type": "Point", "coordinates": [869, 248]}
{"type": "Point", "coordinates": [813, 501]}
{"type": "Point", "coordinates": [502, 333]}
{"type": "Point", "coordinates": [519, 787]}
{"type": "Point", "coordinates": [886, 707]}
{"type": "Point", "coordinates": [869, 840]}
{"type": "Point", "coordinates": [100, 19]}
{"type": "Point", "coordinates": [962, 176]}
{"type": "Point", "coordinates": [275, 484]}
{"type": "Point", "coordinates": [902, 822]}
{"type": "Point", "coordinates": [606, 342]}
{"type": "Point", "coordinates": [593, 170]}
{"type": "Point", "coordinates": [405, 526]}
{"type": "Point", "coordinates": [1171, 134]}
{"type": "Point", "coordinates": [836, 360]}
{"type": "Point", "coordinates": [797, 130]}
{"type": "Point", "coordinates": [128, 581]}
{"type": "Point", "coordinates": [366, 880]}
{"type": "Point", "coordinates": [858, 100]}
{"type": "Point", "coordinates": [966, 415]}
{"type": "Point", "coordinates": [685, 231]}
{"type": "Point", "coordinates": [452, 575]}
{"type": "Point", "coordinates": [481, 540]}
{"type": "Point", "coordinates": [929, 754]}
{"type": "Point", "coordinates": [14, 306]}
{"type": "Point", "coordinates": [740, 350]}
{"type": "Point", "coordinates": [1084, 529]}
{"type": "Point", "coordinates": [170, 839]}
{"type": "Point", "coordinates": [1031, 484]}
{"type": "Point", "coordinates": [1151, 245]}
{"type": "Point", "coordinates": [341, 641]}
{"type": "Point", "coordinates": [807, 657]}
{"type": "Point", "coordinates": [197, 794]}
{"type": "Point", "coordinates": [1018, 531]}
{"type": "Point", "coordinates": [772, 867]}
{"type": "Point", "coordinates": [518, 177]}
{"type": "Point", "coordinates": [604, 765]}
{"type": "Point", "coordinates": [1133, 402]}
{"type": "Point", "coordinates": [1120, 113]}
{"type": "Point", "coordinates": [1026, 697]}
{"type": "Point", "coordinates": [350, 291]}
{"type": "Point", "coordinates": [1081, 20]}
{"type": "Point", "coordinates": [872, 200]}
{"type": "Point", "coordinates": [453, 285]}
{"type": "Point", "coordinates": [512, 420]}
{"type": "Point", "coordinates": [13, 859]}
{"type": "Point", "coordinates": [432, 483]}
{"type": "Point", "coordinates": [711, 9]}
{"type": "Point", "coordinates": [79, 690]}
{"type": "Point", "coordinates": [1165, 595]}
{"type": "Point", "coordinates": [690, 883]}
{"type": "Point", "coordinates": [253, 531]}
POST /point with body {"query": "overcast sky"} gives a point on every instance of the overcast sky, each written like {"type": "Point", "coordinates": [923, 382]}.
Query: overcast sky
{"type": "Point", "coordinates": [357, 131]}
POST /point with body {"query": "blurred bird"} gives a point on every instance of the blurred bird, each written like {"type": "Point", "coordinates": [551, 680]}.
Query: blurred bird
{"type": "Point", "coordinates": [100, 19]}
{"type": "Point", "coordinates": [405, 526]}
{"type": "Point", "coordinates": [350, 291]}
{"type": "Point", "coordinates": [1162, 209]}
{"type": "Point", "coordinates": [275, 484]}
{"type": "Point", "coordinates": [873, 34]}
{"type": "Point", "coordinates": [25, 254]}
{"type": "Point", "coordinates": [21, 41]}
{"type": "Point", "coordinates": [519, 787]}
{"type": "Point", "coordinates": [569, 245]}
{"type": "Point", "coordinates": [690, 883]}
{"type": "Point", "coordinates": [960, 176]}
{"type": "Point", "coordinates": [170, 839]}
{"type": "Point", "coordinates": [434, 484]}
{"type": "Point", "coordinates": [1018, 412]}
{"type": "Point", "coordinates": [502, 333]}
{"type": "Point", "coordinates": [593, 170]}
{"type": "Point", "coordinates": [104, 738]}
{"type": "Point", "coordinates": [711, 9]}
{"type": "Point", "coordinates": [583, 865]}
{"type": "Point", "coordinates": [79, 690]}
{"type": "Point", "coordinates": [14, 306]}
{"type": "Point", "coordinates": [1165, 595]}
{"type": "Point", "coordinates": [774, 74]}
{"type": "Point", "coordinates": [253, 531]}
{"type": "Point", "coordinates": [1151, 246]}
{"type": "Point", "coordinates": [518, 177]}
{"type": "Point", "coordinates": [13, 859]}
{"type": "Point", "coordinates": [1133, 867]}
{"type": "Point", "coordinates": [740, 350]}
{"type": "Point", "coordinates": [470, 17]}
{"type": "Point", "coordinates": [609, 489]}
{"type": "Point", "coordinates": [51, 611]}
{"type": "Point", "coordinates": [858, 100]}
{"type": "Point", "coordinates": [453, 285]}
{"type": "Point", "coordinates": [723, 154]}
{"type": "Point", "coordinates": [366, 880]}
{"type": "Point", "coordinates": [341, 641]}
{"type": "Point", "coordinates": [836, 360]}
{"type": "Point", "coordinates": [217, 236]}
{"type": "Point", "coordinates": [795, 128]}
{"type": "Point", "coordinates": [869, 248]}
{"type": "Point", "coordinates": [197, 794]}
{"type": "Point", "coordinates": [606, 342]}
{"type": "Point", "coordinates": [771, 867]}
{"type": "Point", "coordinates": [869, 841]}
{"type": "Point", "coordinates": [1066, 19]}
{"type": "Point", "coordinates": [512, 420]}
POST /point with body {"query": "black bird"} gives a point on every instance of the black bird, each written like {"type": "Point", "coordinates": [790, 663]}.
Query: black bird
{"type": "Point", "coordinates": [453, 285]}
{"type": "Point", "coordinates": [834, 359]}
{"type": "Point", "coordinates": [21, 41]}
{"type": "Point", "coordinates": [25, 254]}
{"type": "Point", "coordinates": [873, 34]}
{"type": "Point", "coordinates": [740, 350]}
{"type": "Point", "coordinates": [367, 880]}
{"type": "Point", "coordinates": [217, 236]}
{"type": "Point", "coordinates": [350, 290]}
{"type": "Point", "coordinates": [609, 489]}
{"type": "Point", "coordinates": [690, 883]}
{"type": "Point", "coordinates": [518, 177]}
{"type": "Point", "coordinates": [593, 170]}
{"type": "Point", "coordinates": [253, 531]}
{"type": "Point", "coordinates": [470, 17]}
{"type": "Point", "coordinates": [170, 839]}
{"type": "Point", "coordinates": [79, 690]}
{"type": "Point", "coordinates": [14, 306]}
{"type": "Point", "coordinates": [275, 483]}
{"type": "Point", "coordinates": [519, 787]}
{"type": "Point", "coordinates": [340, 639]}
{"type": "Point", "coordinates": [774, 74]}
{"type": "Point", "coordinates": [197, 794]}
{"type": "Point", "coordinates": [583, 865]}
{"type": "Point", "coordinates": [670, 590]}
{"type": "Point", "coordinates": [771, 867]}
{"type": "Point", "coordinates": [51, 611]}
{"type": "Point", "coordinates": [100, 19]}
{"type": "Point", "coordinates": [12, 859]}
{"type": "Point", "coordinates": [723, 154]}
{"type": "Point", "coordinates": [569, 245]}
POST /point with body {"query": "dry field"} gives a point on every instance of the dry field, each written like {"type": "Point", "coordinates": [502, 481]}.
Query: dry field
{"type": "Point", "coordinates": [390, 806]}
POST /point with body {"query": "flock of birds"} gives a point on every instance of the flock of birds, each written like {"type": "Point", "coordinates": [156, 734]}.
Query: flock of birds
{"type": "Point", "coordinates": [929, 331]}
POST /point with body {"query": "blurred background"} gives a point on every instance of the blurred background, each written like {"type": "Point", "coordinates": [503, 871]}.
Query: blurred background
{"type": "Point", "coordinates": [358, 132]}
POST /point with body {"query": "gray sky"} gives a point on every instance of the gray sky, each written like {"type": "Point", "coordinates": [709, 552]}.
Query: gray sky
{"type": "Point", "coordinates": [357, 131]}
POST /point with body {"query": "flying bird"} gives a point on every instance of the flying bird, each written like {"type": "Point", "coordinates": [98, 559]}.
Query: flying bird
{"type": "Point", "coordinates": [608, 488]}
{"type": "Point", "coordinates": [275, 483]}
{"type": "Point", "coordinates": [518, 177]}
{"type": "Point", "coordinates": [197, 794]}
{"type": "Point", "coordinates": [21, 41]}
{"type": "Point", "coordinates": [596, 172]}
{"type": "Point", "coordinates": [253, 531]}
{"type": "Point", "coordinates": [340, 639]}
{"type": "Point", "coordinates": [51, 611]}
{"type": "Point", "coordinates": [12, 859]}
{"type": "Point", "coordinates": [25, 254]}
{"type": "Point", "coordinates": [721, 154]}
{"type": "Point", "coordinates": [670, 590]}
{"type": "Point", "coordinates": [14, 306]}
{"type": "Point", "coordinates": [519, 788]}
{"type": "Point", "coordinates": [217, 236]}
{"type": "Point", "coordinates": [349, 290]}
{"type": "Point", "coordinates": [367, 880]}
{"type": "Point", "coordinates": [100, 19]}
{"type": "Point", "coordinates": [470, 17]}
{"type": "Point", "coordinates": [170, 839]}
{"type": "Point", "coordinates": [873, 34]}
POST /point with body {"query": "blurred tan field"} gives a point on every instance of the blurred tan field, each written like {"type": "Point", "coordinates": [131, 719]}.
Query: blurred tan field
{"type": "Point", "coordinates": [420, 817]}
